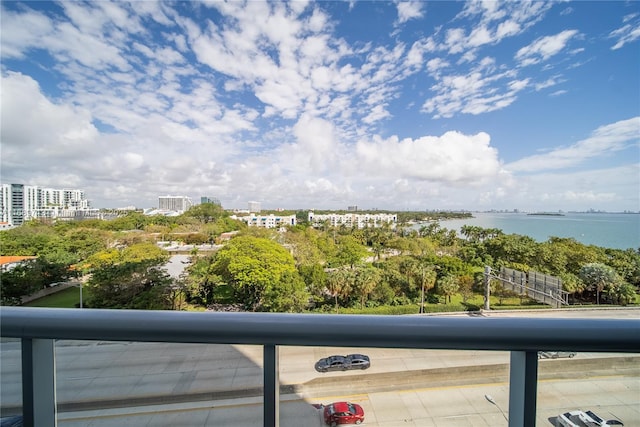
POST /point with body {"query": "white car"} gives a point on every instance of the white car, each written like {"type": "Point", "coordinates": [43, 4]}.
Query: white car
{"type": "Point", "coordinates": [584, 419]}
{"type": "Point", "coordinates": [556, 354]}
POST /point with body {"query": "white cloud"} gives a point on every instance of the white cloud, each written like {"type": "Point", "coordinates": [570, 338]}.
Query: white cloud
{"type": "Point", "coordinates": [544, 47]}
{"type": "Point", "coordinates": [277, 106]}
{"type": "Point", "coordinates": [30, 121]}
{"type": "Point", "coordinates": [22, 32]}
{"type": "Point", "coordinates": [552, 81]}
{"type": "Point", "coordinates": [453, 157]}
{"type": "Point", "coordinates": [628, 33]}
{"type": "Point", "coordinates": [606, 139]}
{"type": "Point", "coordinates": [474, 93]}
{"type": "Point", "coordinates": [408, 10]}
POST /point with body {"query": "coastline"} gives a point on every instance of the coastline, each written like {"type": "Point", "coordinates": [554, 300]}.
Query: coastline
{"type": "Point", "coordinates": [607, 230]}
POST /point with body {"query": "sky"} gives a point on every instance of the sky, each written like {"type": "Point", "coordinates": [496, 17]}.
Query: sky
{"type": "Point", "coordinates": [398, 106]}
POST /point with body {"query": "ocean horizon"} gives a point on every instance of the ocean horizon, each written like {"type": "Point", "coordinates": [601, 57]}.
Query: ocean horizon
{"type": "Point", "coordinates": [608, 230]}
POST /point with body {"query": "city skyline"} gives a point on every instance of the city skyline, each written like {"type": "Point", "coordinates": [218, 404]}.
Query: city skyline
{"type": "Point", "coordinates": [404, 106]}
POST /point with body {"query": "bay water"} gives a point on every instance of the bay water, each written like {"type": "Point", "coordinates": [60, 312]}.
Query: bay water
{"type": "Point", "coordinates": [608, 230]}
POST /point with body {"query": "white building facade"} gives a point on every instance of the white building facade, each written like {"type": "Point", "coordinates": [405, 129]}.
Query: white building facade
{"type": "Point", "coordinates": [178, 204]}
{"type": "Point", "coordinates": [267, 221]}
{"type": "Point", "coordinates": [353, 220]}
{"type": "Point", "coordinates": [20, 203]}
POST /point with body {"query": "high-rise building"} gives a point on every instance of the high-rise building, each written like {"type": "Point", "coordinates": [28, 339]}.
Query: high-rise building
{"type": "Point", "coordinates": [174, 203]}
{"type": "Point", "coordinates": [205, 199]}
{"type": "Point", "coordinates": [5, 203]}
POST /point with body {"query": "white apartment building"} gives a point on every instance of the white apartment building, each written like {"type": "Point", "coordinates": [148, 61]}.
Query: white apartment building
{"type": "Point", "coordinates": [267, 221]}
{"type": "Point", "coordinates": [174, 203]}
{"type": "Point", "coordinates": [20, 203]}
{"type": "Point", "coordinates": [353, 220]}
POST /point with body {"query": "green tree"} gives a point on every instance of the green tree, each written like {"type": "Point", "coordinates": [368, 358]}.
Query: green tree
{"type": "Point", "coordinates": [349, 252]}
{"type": "Point", "coordinates": [21, 280]}
{"type": "Point", "coordinates": [201, 281]}
{"type": "Point", "coordinates": [29, 240]}
{"type": "Point", "coordinates": [448, 286]}
{"type": "Point", "coordinates": [315, 278]}
{"type": "Point", "coordinates": [465, 284]}
{"type": "Point", "coordinates": [626, 263]}
{"type": "Point", "coordinates": [623, 294]}
{"type": "Point", "coordinates": [206, 212]}
{"type": "Point", "coordinates": [599, 277]}
{"type": "Point", "coordinates": [338, 283]}
{"type": "Point", "coordinates": [257, 269]}
{"type": "Point", "coordinates": [130, 221]}
{"type": "Point", "coordinates": [365, 280]}
{"type": "Point", "coordinates": [131, 277]}
{"type": "Point", "coordinates": [304, 246]}
{"type": "Point", "coordinates": [427, 281]}
{"type": "Point", "coordinates": [289, 295]}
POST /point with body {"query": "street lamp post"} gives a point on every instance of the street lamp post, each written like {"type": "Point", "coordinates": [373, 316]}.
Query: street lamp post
{"type": "Point", "coordinates": [487, 287]}
{"type": "Point", "coordinates": [422, 293]}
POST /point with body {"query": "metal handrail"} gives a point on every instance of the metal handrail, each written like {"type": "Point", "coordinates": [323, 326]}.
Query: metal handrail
{"type": "Point", "coordinates": [426, 332]}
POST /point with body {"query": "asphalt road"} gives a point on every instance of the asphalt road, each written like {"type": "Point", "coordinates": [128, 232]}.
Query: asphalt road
{"type": "Point", "coordinates": [610, 397]}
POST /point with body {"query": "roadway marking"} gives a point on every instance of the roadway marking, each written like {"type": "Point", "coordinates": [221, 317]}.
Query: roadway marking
{"type": "Point", "coordinates": [222, 404]}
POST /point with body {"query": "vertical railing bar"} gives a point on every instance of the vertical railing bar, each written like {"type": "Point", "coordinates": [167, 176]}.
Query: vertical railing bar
{"type": "Point", "coordinates": [523, 388]}
{"type": "Point", "coordinates": [44, 383]}
{"type": "Point", "coordinates": [27, 382]}
{"type": "Point", "coordinates": [271, 398]}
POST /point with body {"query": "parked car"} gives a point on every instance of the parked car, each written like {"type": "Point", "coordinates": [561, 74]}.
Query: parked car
{"type": "Point", "coordinates": [343, 363]}
{"type": "Point", "coordinates": [584, 418]}
{"type": "Point", "coordinates": [343, 413]}
{"type": "Point", "coordinates": [555, 354]}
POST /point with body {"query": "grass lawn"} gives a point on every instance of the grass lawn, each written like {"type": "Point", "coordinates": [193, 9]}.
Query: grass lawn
{"type": "Point", "coordinates": [67, 298]}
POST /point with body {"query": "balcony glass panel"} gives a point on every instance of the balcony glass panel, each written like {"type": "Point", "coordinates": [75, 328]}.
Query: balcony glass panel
{"type": "Point", "coordinates": [10, 377]}
{"type": "Point", "coordinates": [140, 383]}
{"type": "Point", "coordinates": [607, 384]}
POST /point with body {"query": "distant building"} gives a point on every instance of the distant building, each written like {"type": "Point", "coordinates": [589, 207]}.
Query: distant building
{"type": "Point", "coordinates": [353, 220]}
{"type": "Point", "coordinates": [254, 207]}
{"type": "Point", "coordinates": [20, 203]}
{"type": "Point", "coordinates": [178, 204]}
{"type": "Point", "coordinates": [267, 221]}
{"type": "Point", "coordinates": [352, 208]}
{"type": "Point", "coordinates": [205, 199]}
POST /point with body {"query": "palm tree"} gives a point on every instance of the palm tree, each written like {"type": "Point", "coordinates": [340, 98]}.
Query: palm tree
{"type": "Point", "coordinates": [365, 280]}
{"type": "Point", "coordinates": [427, 281]}
{"type": "Point", "coordinates": [449, 286]}
{"type": "Point", "coordinates": [338, 283]}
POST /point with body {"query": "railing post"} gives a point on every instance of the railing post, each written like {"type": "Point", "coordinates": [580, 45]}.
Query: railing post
{"type": "Point", "coordinates": [38, 383]}
{"type": "Point", "coordinates": [271, 386]}
{"type": "Point", "coordinates": [523, 385]}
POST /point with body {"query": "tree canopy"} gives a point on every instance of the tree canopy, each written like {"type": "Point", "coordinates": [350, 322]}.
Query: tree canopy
{"type": "Point", "coordinates": [262, 274]}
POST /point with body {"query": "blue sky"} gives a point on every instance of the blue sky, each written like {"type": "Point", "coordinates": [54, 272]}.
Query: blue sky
{"type": "Point", "coordinates": [390, 105]}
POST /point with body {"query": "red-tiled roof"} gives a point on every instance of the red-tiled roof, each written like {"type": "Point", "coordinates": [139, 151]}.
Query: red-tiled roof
{"type": "Point", "coordinates": [9, 259]}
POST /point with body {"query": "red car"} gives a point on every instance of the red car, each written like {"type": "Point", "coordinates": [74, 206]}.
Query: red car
{"type": "Point", "coordinates": [343, 413]}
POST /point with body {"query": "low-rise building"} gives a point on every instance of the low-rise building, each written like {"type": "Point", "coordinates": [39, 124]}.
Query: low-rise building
{"type": "Point", "coordinates": [353, 220]}
{"type": "Point", "coordinates": [267, 221]}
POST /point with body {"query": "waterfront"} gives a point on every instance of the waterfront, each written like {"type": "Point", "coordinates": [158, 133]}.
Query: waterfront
{"type": "Point", "coordinates": [609, 230]}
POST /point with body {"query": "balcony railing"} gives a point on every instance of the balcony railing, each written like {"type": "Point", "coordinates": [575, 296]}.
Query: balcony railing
{"type": "Point", "coordinates": [523, 337]}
